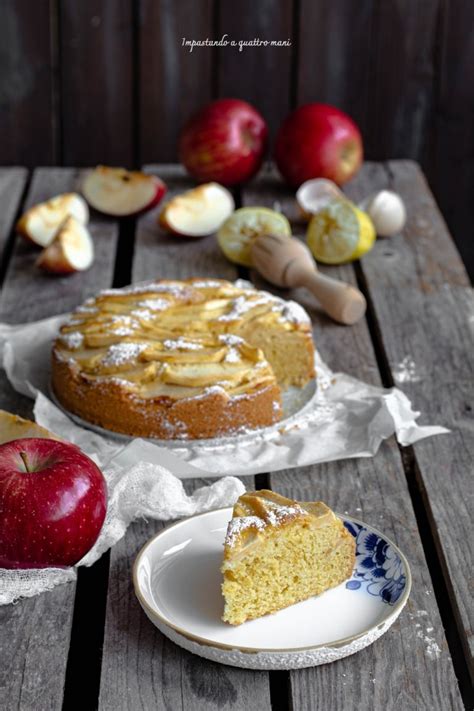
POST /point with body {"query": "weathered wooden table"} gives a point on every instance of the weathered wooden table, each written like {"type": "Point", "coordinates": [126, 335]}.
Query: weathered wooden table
{"type": "Point", "coordinates": [88, 645]}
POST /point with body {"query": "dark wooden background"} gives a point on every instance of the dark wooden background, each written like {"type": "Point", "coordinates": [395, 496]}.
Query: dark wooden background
{"type": "Point", "coordinates": [89, 81]}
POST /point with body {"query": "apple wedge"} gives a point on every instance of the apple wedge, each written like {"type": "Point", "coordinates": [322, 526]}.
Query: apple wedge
{"type": "Point", "coordinates": [72, 250]}
{"type": "Point", "coordinates": [197, 212]}
{"type": "Point", "coordinates": [40, 223]}
{"type": "Point", "coordinates": [122, 193]}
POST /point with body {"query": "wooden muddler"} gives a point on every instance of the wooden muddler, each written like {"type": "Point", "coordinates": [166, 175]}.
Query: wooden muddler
{"type": "Point", "coordinates": [287, 262]}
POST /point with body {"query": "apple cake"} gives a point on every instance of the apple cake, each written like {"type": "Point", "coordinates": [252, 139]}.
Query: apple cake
{"type": "Point", "coordinates": [278, 552]}
{"type": "Point", "coordinates": [192, 359]}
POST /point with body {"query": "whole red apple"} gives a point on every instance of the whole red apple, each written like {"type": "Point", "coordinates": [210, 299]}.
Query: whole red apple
{"type": "Point", "coordinates": [224, 142]}
{"type": "Point", "coordinates": [53, 500]}
{"type": "Point", "coordinates": [318, 141]}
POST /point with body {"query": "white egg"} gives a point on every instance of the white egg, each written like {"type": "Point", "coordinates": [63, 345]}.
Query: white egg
{"type": "Point", "coordinates": [387, 211]}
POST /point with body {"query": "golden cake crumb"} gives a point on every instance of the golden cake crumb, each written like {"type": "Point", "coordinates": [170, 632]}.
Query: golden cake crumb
{"type": "Point", "coordinates": [278, 552]}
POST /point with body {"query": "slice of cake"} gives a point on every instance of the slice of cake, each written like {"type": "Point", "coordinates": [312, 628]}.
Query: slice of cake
{"type": "Point", "coordinates": [278, 552]}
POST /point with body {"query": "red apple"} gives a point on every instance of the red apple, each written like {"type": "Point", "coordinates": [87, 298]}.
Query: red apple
{"type": "Point", "coordinates": [53, 500]}
{"type": "Point", "coordinates": [318, 141]}
{"type": "Point", "coordinates": [122, 193]}
{"type": "Point", "coordinates": [224, 142]}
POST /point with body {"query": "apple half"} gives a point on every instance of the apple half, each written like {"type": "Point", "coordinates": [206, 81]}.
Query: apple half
{"type": "Point", "coordinates": [122, 193]}
{"type": "Point", "coordinates": [197, 212]}
{"type": "Point", "coordinates": [72, 250]}
{"type": "Point", "coordinates": [40, 223]}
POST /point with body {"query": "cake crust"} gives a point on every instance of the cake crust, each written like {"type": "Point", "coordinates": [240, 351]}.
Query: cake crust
{"type": "Point", "coordinates": [175, 360]}
{"type": "Point", "coordinates": [213, 415]}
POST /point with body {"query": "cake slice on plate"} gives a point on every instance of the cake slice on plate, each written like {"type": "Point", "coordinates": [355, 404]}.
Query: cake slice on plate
{"type": "Point", "coordinates": [278, 552]}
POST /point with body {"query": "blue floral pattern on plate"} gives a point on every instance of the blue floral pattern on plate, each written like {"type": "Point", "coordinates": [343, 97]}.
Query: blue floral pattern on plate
{"type": "Point", "coordinates": [377, 568]}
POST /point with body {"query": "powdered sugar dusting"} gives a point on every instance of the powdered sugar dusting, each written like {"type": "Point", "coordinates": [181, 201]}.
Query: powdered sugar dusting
{"type": "Point", "coordinates": [144, 314]}
{"type": "Point", "coordinates": [278, 514]}
{"type": "Point", "coordinates": [154, 304]}
{"type": "Point", "coordinates": [405, 371]}
{"type": "Point", "coordinates": [232, 356]}
{"type": "Point", "coordinates": [433, 650]}
{"type": "Point", "coordinates": [242, 304]}
{"type": "Point", "coordinates": [294, 313]}
{"type": "Point", "coordinates": [211, 390]}
{"type": "Point", "coordinates": [123, 331]}
{"type": "Point", "coordinates": [73, 340]}
{"type": "Point", "coordinates": [120, 353]}
{"type": "Point", "coordinates": [275, 515]}
{"type": "Point", "coordinates": [238, 525]}
{"type": "Point", "coordinates": [230, 339]}
{"type": "Point", "coordinates": [207, 284]}
{"type": "Point", "coordinates": [173, 287]}
{"type": "Point", "coordinates": [182, 344]}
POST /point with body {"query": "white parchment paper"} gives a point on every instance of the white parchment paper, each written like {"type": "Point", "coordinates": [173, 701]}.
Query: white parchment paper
{"type": "Point", "coordinates": [345, 418]}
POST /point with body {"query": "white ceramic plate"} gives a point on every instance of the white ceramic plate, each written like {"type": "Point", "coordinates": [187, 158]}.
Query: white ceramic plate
{"type": "Point", "coordinates": [177, 581]}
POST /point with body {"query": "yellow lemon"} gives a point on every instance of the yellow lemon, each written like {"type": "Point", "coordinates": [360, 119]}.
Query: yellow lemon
{"type": "Point", "coordinates": [238, 232]}
{"type": "Point", "coordinates": [340, 232]}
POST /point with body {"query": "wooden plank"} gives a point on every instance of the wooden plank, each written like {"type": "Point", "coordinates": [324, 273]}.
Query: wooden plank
{"type": "Point", "coordinates": [375, 490]}
{"type": "Point", "coordinates": [174, 82]}
{"type": "Point", "coordinates": [403, 42]}
{"type": "Point", "coordinates": [27, 84]}
{"type": "Point", "coordinates": [96, 82]}
{"type": "Point", "coordinates": [28, 293]}
{"type": "Point", "coordinates": [250, 73]}
{"type": "Point", "coordinates": [12, 184]}
{"type": "Point", "coordinates": [331, 35]}
{"type": "Point", "coordinates": [449, 167]}
{"type": "Point", "coordinates": [142, 669]}
{"type": "Point", "coordinates": [410, 666]}
{"type": "Point", "coordinates": [160, 255]}
{"type": "Point", "coordinates": [424, 306]}
{"type": "Point", "coordinates": [35, 632]}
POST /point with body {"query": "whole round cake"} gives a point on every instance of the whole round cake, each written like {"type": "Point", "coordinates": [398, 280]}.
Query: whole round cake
{"type": "Point", "coordinates": [192, 359]}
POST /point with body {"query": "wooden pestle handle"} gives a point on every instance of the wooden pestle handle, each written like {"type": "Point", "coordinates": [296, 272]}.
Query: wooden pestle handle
{"type": "Point", "coordinates": [343, 302]}
{"type": "Point", "coordinates": [288, 262]}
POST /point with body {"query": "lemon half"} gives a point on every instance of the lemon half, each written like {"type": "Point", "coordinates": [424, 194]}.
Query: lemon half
{"type": "Point", "coordinates": [339, 233]}
{"type": "Point", "coordinates": [236, 235]}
